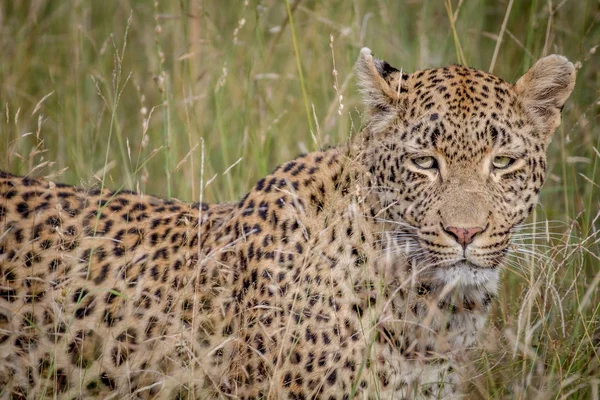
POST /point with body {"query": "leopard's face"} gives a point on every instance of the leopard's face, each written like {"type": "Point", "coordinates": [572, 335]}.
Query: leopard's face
{"type": "Point", "coordinates": [463, 186]}
{"type": "Point", "coordinates": [458, 157]}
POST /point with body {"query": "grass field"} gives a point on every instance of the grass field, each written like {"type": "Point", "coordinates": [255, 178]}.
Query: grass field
{"type": "Point", "coordinates": [199, 99]}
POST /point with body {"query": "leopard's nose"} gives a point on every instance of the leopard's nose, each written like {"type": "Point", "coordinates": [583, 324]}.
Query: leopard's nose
{"type": "Point", "coordinates": [464, 236]}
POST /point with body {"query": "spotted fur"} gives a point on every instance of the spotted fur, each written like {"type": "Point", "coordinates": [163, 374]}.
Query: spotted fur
{"type": "Point", "coordinates": [354, 272]}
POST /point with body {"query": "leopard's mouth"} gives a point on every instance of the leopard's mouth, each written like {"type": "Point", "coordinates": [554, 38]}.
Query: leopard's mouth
{"type": "Point", "coordinates": [427, 261]}
{"type": "Point", "coordinates": [468, 263]}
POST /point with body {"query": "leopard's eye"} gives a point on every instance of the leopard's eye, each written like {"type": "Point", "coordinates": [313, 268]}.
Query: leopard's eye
{"type": "Point", "coordinates": [502, 162]}
{"type": "Point", "coordinates": [427, 162]}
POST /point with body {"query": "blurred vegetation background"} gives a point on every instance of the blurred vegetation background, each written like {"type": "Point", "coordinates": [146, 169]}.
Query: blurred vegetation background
{"type": "Point", "coordinates": [169, 97]}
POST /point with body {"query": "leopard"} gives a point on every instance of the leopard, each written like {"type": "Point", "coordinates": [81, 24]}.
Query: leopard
{"type": "Point", "coordinates": [364, 270]}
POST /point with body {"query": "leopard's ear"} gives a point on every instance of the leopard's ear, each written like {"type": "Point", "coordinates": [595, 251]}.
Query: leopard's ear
{"type": "Point", "coordinates": [543, 91]}
{"type": "Point", "coordinates": [379, 82]}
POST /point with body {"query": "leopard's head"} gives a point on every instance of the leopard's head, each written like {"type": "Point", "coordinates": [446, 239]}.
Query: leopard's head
{"type": "Point", "coordinates": [457, 158]}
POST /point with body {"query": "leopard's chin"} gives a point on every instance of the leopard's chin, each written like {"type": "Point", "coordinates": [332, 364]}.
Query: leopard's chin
{"type": "Point", "coordinates": [467, 275]}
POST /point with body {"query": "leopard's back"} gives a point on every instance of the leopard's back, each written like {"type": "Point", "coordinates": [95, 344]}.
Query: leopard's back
{"type": "Point", "coordinates": [94, 283]}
